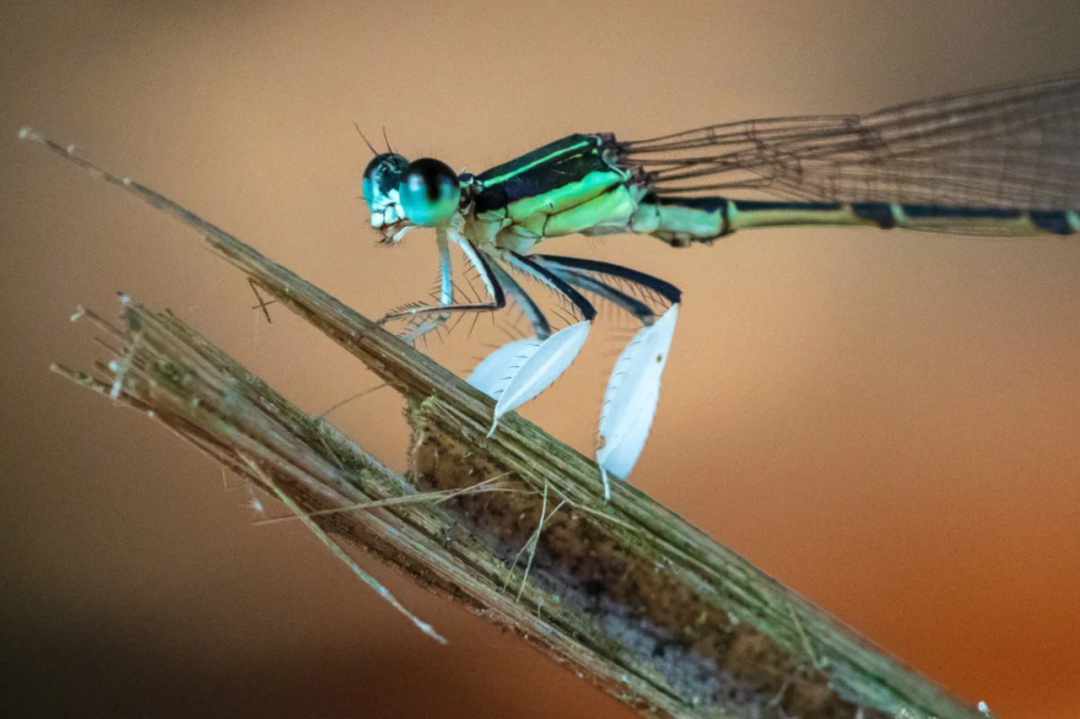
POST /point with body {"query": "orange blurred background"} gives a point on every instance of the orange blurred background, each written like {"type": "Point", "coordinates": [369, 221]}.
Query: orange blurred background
{"type": "Point", "coordinates": [885, 422]}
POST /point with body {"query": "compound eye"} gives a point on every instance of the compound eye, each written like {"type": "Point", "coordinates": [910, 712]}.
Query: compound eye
{"type": "Point", "coordinates": [429, 192]}
{"type": "Point", "coordinates": [382, 175]}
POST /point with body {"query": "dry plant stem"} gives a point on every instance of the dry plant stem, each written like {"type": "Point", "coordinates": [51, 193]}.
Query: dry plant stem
{"type": "Point", "coordinates": [624, 592]}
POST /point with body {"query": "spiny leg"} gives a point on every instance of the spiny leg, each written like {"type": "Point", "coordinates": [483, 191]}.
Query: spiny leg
{"type": "Point", "coordinates": [537, 319]}
{"type": "Point", "coordinates": [587, 282]}
{"type": "Point", "coordinates": [495, 290]}
{"type": "Point", "coordinates": [633, 391]}
{"type": "Point", "coordinates": [529, 266]}
{"type": "Point", "coordinates": [446, 292]}
{"type": "Point", "coordinates": [668, 291]}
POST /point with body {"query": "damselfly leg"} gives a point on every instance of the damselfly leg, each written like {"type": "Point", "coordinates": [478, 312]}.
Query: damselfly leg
{"type": "Point", "coordinates": [446, 305]}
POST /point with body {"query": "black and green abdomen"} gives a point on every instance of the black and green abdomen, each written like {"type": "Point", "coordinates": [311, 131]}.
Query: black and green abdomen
{"type": "Point", "coordinates": [681, 221]}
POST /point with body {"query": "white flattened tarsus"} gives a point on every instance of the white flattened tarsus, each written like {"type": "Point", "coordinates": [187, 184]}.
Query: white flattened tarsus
{"type": "Point", "coordinates": [546, 365]}
{"type": "Point", "coordinates": [631, 398]}
{"type": "Point", "coordinates": [497, 369]}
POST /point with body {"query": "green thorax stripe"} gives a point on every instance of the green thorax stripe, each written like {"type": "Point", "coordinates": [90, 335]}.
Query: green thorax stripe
{"type": "Point", "coordinates": [545, 169]}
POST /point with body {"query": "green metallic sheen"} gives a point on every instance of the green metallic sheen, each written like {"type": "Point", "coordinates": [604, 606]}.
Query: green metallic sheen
{"type": "Point", "coordinates": [540, 156]}
{"type": "Point", "coordinates": [614, 207]}
{"type": "Point", "coordinates": [570, 195]}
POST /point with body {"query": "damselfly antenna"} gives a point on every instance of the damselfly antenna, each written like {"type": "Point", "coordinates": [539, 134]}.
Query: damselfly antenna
{"type": "Point", "coordinates": [373, 151]}
{"type": "Point", "coordinates": [386, 140]}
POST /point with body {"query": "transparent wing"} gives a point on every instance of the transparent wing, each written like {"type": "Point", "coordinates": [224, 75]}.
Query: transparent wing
{"type": "Point", "coordinates": [1015, 146]}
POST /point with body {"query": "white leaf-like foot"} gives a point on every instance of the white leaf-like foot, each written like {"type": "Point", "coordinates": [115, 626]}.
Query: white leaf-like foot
{"type": "Point", "coordinates": [544, 365]}
{"type": "Point", "coordinates": [631, 398]}
{"type": "Point", "coordinates": [494, 373]}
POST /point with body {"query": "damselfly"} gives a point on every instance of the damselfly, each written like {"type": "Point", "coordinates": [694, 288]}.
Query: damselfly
{"type": "Point", "coordinates": [1002, 161]}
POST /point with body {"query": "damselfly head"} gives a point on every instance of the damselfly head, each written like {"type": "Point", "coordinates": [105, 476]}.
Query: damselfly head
{"type": "Point", "coordinates": [402, 194]}
{"type": "Point", "coordinates": [382, 177]}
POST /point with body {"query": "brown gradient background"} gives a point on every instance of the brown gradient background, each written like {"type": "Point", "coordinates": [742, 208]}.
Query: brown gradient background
{"type": "Point", "coordinates": [887, 423]}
